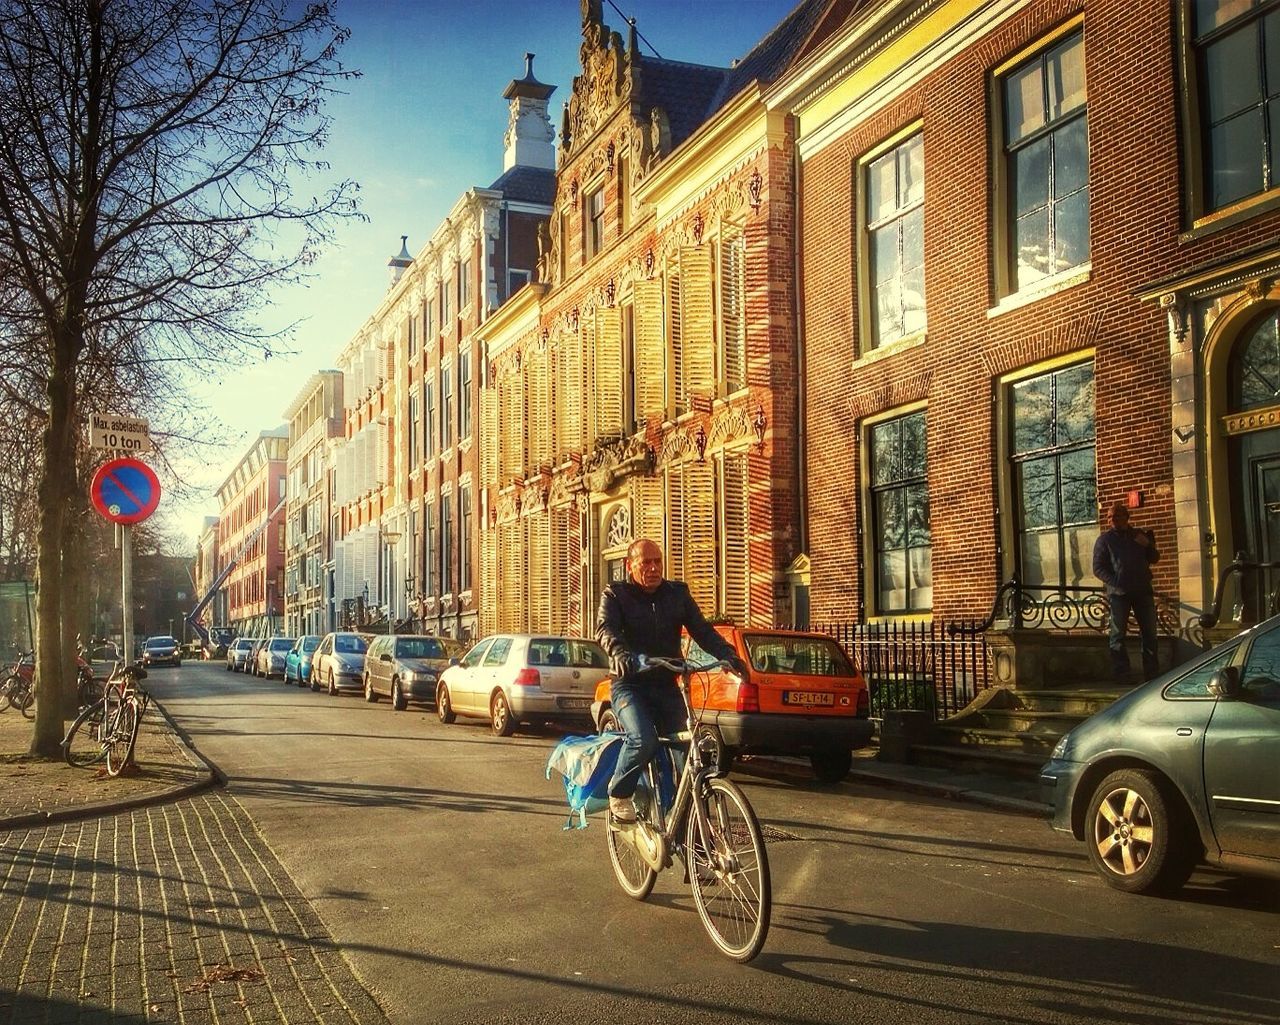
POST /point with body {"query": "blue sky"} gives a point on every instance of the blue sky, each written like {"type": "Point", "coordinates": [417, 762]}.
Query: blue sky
{"type": "Point", "coordinates": [424, 124]}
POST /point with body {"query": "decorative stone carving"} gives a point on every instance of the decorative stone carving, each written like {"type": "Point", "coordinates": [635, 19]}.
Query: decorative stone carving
{"type": "Point", "coordinates": [727, 424]}
{"type": "Point", "coordinates": [508, 505]}
{"type": "Point", "coordinates": [755, 186]}
{"type": "Point", "coordinates": [534, 498]}
{"type": "Point", "coordinates": [676, 445]}
{"type": "Point", "coordinates": [614, 459]}
{"type": "Point", "coordinates": [602, 84]}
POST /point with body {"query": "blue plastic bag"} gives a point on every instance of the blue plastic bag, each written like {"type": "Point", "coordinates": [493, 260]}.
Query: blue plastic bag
{"type": "Point", "coordinates": [586, 764]}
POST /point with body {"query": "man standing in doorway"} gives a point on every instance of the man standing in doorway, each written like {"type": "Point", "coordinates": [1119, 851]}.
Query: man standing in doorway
{"type": "Point", "coordinates": [1122, 559]}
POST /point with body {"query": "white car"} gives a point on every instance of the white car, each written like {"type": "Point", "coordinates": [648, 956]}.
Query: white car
{"type": "Point", "coordinates": [514, 678]}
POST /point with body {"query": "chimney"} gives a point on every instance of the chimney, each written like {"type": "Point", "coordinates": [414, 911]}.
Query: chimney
{"type": "Point", "coordinates": [529, 135]}
{"type": "Point", "coordinates": [402, 262]}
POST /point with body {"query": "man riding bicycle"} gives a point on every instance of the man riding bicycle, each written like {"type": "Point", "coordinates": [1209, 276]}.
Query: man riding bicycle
{"type": "Point", "coordinates": [644, 616]}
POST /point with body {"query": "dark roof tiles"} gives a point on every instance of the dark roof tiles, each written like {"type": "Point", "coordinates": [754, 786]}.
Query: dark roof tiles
{"type": "Point", "coordinates": [528, 185]}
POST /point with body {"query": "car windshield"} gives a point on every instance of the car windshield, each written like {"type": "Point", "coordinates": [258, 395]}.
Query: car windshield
{"type": "Point", "coordinates": [563, 651]}
{"type": "Point", "coordinates": [350, 644]}
{"type": "Point", "coordinates": [420, 647]}
{"type": "Point", "coordinates": [282, 644]}
{"type": "Point", "coordinates": [161, 642]}
{"type": "Point", "coordinates": [243, 643]}
{"type": "Point", "coordinates": [310, 643]}
{"type": "Point", "coordinates": [797, 656]}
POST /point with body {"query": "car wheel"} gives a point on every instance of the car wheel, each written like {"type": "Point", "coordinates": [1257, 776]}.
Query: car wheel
{"type": "Point", "coordinates": [398, 701]}
{"type": "Point", "coordinates": [369, 695]}
{"type": "Point", "coordinates": [500, 718]}
{"type": "Point", "coordinates": [830, 767]}
{"type": "Point", "coordinates": [1138, 836]}
{"type": "Point", "coordinates": [313, 684]}
{"type": "Point", "coordinates": [228, 667]}
{"type": "Point", "coordinates": [444, 708]}
{"type": "Point", "coordinates": [714, 750]}
{"type": "Point", "coordinates": [333, 685]}
{"type": "Point", "coordinates": [609, 722]}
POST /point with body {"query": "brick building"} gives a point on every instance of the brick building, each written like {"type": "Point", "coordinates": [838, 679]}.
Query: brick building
{"type": "Point", "coordinates": [251, 509]}
{"type": "Point", "coordinates": [648, 388]}
{"type": "Point", "coordinates": [405, 476]}
{"type": "Point", "coordinates": [315, 422]}
{"type": "Point", "coordinates": [1039, 267]}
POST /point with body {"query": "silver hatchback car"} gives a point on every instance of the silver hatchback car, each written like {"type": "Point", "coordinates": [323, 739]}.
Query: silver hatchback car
{"type": "Point", "coordinates": [514, 678]}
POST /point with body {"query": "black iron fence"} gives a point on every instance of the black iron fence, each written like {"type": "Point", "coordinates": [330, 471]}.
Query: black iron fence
{"type": "Point", "coordinates": [910, 664]}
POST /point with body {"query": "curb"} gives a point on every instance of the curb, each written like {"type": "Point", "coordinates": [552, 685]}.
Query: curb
{"type": "Point", "coordinates": [103, 809]}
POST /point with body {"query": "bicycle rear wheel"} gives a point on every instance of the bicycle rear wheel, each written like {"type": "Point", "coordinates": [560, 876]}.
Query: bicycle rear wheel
{"type": "Point", "coordinates": [123, 731]}
{"type": "Point", "coordinates": [729, 871]}
{"type": "Point", "coordinates": [82, 745]}
{"type": "Point", "coordinates": [23, 698]}
{"type": "Point", "coordinates": [635, 875]}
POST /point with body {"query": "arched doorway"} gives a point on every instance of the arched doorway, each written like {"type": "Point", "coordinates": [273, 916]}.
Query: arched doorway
{"type": "Point", "coordinates": [1252, 424]}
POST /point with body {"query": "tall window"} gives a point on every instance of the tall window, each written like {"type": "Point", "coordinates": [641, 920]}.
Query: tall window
{"type": "Point", "coordinates": [594, 222]}
{"type": "Point", "coordinates": [413, 335]}
{"type": "Point", "coordinates": [1046, 154]}
{"type": "Point", "coordinates": [900, 515]}
{"type": "Point", "coordinates": [432, 327]}
{"type": "Point", "coordinates": [429, 434]}
{"type": "Point", "coordinates": [446, 407]}
{"type": "Point", "coordinates": [464, 285]}
{"type": "Point", "coordinates": [1237, 53]}
{"type": "Point", "coordinates": [464, 539]}
{"type": "Point", "coordinates": [464, 394]}
{"type": "Point", "coordinates": [430, 547]}
{"type": "Point", "coordinates": [1055, 486]}
{"type": "Point", "coordinates": [446, 288]}
{"type": "Point", "coordinates": [446, 544]}
{"type": "Point", "coordinates": [895, 241]}
{"type": "Point", "coordinates": [412, 440]}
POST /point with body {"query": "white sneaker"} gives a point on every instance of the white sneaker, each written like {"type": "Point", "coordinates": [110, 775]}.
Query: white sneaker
{"type": "Point", "coordinates": [623, 809]}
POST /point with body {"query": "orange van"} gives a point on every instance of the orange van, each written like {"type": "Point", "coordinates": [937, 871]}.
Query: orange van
{"type": "Point", "coordinates": [802, 696]}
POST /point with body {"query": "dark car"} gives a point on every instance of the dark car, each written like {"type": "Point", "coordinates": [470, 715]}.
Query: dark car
{"type": "Point", "coordinates": [405, 667]}
{"type": "Point", "coordinates": [1180, 770]}
{"type": "Point", "coordinates": [251, 667]}
{"type": "Point", "coordinates": [161, 651]}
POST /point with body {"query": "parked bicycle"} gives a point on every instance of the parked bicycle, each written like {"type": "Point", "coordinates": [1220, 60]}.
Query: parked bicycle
{"type": "Point", "coordinates": [108, 728]}
{"type": "Point", "coordinates": [710, 827]}
{"type": "Point", "coordinates": [17, 688]}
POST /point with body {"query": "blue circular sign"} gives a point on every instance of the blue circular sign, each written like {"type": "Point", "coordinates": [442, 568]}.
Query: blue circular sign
{"type": "Point", "coordinates": [125, 491]}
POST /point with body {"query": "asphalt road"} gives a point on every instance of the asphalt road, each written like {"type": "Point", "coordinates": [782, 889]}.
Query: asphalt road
{"type": "Point", "coordinates": [435, 856]}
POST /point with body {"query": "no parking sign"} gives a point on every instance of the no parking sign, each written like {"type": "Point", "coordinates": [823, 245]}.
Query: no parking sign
{"type": "Point", "coordinates": [125, 491]}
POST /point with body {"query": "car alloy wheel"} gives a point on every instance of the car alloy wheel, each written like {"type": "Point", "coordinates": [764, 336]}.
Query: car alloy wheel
{"type": "Point", "coordinates": [500, 715]}
{"type": "Point", "coordinates": [397, 696]}
{"type": "Point", "coordinates": [333, 685]}
{"type": "Point", "coordinates": [1139, 836]}
{"type": "Point", "coordinates": [369, 695]}
{"type": "Point", "coordinates": [444, 709]}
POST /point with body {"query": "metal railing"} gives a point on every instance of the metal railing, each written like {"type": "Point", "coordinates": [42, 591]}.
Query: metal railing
{"type": "Point", "coordinates": [909, 664]}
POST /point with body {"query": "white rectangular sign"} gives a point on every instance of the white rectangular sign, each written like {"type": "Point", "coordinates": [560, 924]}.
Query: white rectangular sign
{"type": "Point", "coordinates": [119, 433]}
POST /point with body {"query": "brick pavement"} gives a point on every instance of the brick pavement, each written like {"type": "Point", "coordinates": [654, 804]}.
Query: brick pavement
{"type": "Point", "coordinates": [177, 912]}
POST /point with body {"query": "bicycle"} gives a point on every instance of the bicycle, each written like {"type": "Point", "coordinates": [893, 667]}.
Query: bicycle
{"type": "Point", "coordinates": [17, 690]}
{"type": "Point", "coordinates": [722, 848]}
{"type": "Point", "coordinates": [108, 728]}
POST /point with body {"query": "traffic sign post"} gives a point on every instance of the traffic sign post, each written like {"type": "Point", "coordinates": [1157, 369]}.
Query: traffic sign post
{"type": "Point", "coordinates": [125, 492]}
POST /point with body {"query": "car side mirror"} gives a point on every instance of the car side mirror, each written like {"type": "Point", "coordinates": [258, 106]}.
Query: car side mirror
{"type": "Point", "coordinates": [1225, 683]}
{"type": "Point", "coordinates": [455, 661]}
{"type": "Point", "coordinates": [384, 657]}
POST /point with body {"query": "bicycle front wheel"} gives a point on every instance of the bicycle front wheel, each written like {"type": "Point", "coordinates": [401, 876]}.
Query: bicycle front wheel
{"type": "Point", "coordinates": [82, 745]}
{"type": "Point", "coordinates": [122, 731]}
{"type": "Point", "coordinates": [729, 871]}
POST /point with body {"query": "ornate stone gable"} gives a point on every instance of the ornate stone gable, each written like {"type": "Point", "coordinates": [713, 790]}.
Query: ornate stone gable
{"type": "Point", "coordinates": [606, 80]}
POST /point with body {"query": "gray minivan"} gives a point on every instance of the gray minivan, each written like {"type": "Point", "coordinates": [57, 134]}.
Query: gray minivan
{"type": "Point", "coordinates": [405, 667]}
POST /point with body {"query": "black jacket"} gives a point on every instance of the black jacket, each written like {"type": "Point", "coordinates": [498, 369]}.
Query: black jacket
{"type": "Point", "coordinates": [1123, 564]}
{"type": "Point", "coordinates": [631, 622]}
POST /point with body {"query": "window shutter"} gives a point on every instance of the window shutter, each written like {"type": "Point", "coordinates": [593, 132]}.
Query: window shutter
{"type": "Point", "coordinates": [562, 567]}
{"type": "Point", "coordinates": [488, 580]}
{"type": "Point", "coordinates": [650, 366]}
{"type": "Point", "coordinates": [538, 546]}
{"type": "Point", "coordinates": [385, 363]}
{"type": "Point", "coordinates": [511, 578]}
{"type": "Point", "coordinates": [568, 393]}
{"type": "Point", "coordinates": [675, 349]}
{"type": "Point", "coordinates": [735, 564]}
{"type": "Point", "coordinates": [733, 321]}
{"type": "Point", "coordinates": [539, 410]}
{"type": "Point", "coordinates": [697, 335]}
{"type": "Point", "coordinates": [489, 435]}
{"type": "Point", "coordinates": [606, 394]}
{"type": "Point", "coordinates": [700, 534]}
{"type": "Point", "coordinates": [584, 373]}
{"type": "Point", "coordinates": [511, 426]}
{"type": "Point", "coordinates": [648, 514]}
{"type": "Point", "coordinates": [382, 438]}
{"type": "Point", "coordinates": [675, 566]}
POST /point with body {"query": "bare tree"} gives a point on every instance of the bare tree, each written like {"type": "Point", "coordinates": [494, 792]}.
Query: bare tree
{"type": "Point", "coordinates": [148, 154]}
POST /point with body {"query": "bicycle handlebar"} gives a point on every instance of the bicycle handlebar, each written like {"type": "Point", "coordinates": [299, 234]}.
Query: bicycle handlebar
{"type": "Point", "coordinates": [679, 666]}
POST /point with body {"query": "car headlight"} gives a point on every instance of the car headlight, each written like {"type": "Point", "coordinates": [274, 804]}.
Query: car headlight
{"type": "Point", "coordinates": [1061, 747]}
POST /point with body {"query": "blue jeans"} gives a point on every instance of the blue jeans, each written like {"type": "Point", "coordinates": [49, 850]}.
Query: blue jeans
{"type": "Point", "coordinates": [1143, 607]}
{"type": "Point", "coordinates": [644, 710]}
